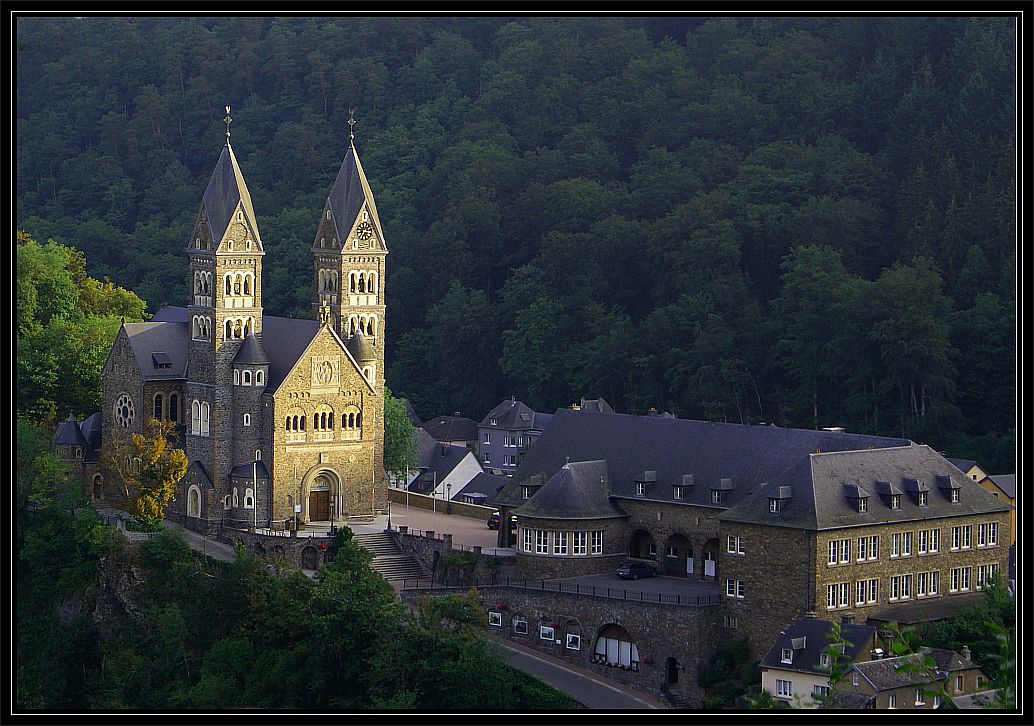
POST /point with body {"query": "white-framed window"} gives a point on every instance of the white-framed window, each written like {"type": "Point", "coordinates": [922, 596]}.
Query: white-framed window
{"type": "Point", "coordinates": [546, 632]}
{"type": "Point", "coordinates": [831, 596]}
{"type": "Point", "coordinates": [874, 590]}
{"type": "Point", "coordinates": [906, 544]}
{"type": "Point", "coordinates": [640, 488]}
{"type": "Point", "coordinates": [541, 542]}
{"type": "Point", "coordinates": [954, 496]}
{"type": "Point", "coordinates": [597, 542]}
{"type": "Point", "coordinates": [246, 378]}
{"type": "Point", "coordinates": [495, 619]}
{"type": "Point", "coordinates": [235, 500]}
{"type": "Point", "coordinates": [509, 460]}
{"type": "Point", "coordinates": [260, 378]}
{"type": "Point", "coordinates": [194, 502]}
{"type": "Point", "coordinates": [525, 491]}
{"type": "Point", "coordinates": [579, 543]}
{"type": "Point", "coordinates": [249, 498]}
{"type": "Point", "coordinates": [652, 549]}
{"type": "Point", "coordinates": [921, 542]}
{"type": "Point", "coordinates": [956, 537]}
{"type": "Point", "coordinates": [488, 459]}
{"type": "Point", "coordinates": [895, 545]}
{"type": "Point", "coordinates": [845, 551]}
{"type": "Point", "coordinates": [740, 590]}
{"type": "Point", "coordinates": [863, 505]}
{"type": "Point", "coordinates": [824, 660]}
{"type": "Point", "coordinates": [527, 539]}
{"type": "Point", "coordinates": [906, 587]}
{"type": "Point", "coordinates": [716, 496]}
{"type": "Point", "coordinates": [921, 578]}
{"type": "Point", "coordinates": [895, 587]}
{"type": "Point", "coordinates": [953, 584]}
{"type": "Point", "coordinates": [936, 701]}
{"type": "Point", "coordinates": [833, 549]}
{"type": "Point", "coordinates": [981, 535]}
{"type": "Point", "coordinates": [730, 621]}
{"type": "Point", "coordinates": [958, 681]}
{"type": "Point", "coordinates": [676, 492]}
{"type": "Point", "coordinates": [922, 499]}
{"type": "Point", "coordinates": [560, 543]}
{"type": "Point", "coordinates": [895, 501]}
{"type": "Point", "coordinates": [818, 693]}
{"type": "Point", "coordinates": [967, 536]}
{"type": "Point", "coordinates": [934, 577]}
{"type": "Point", "coordinates": [574, 641]}
{"type": "Point", "coordinates": [730, 588]}
{"type": "Point", "coordinates": [520, 625]}
{"type": "Point", "coordinates": [784, 689]}
{"type": "Point", "coordinates": [863, 548]}
{"type": "Point", "coordinates": [258, 454]}
{"type": "Point", "coordinates": [874, 547]}
{"type": "Point", "coordinates": [247, 419]}
{"type": "Point", "coordinates": [488, 437]}
{"type": "Point", "coordinates": [787, 656]}
{"type": "Point", "coordinates": [845, 594]}
{"type": "Point", "coordinates": [773, 505]}
{"type": "Point", "coordinates": [860, 590]}
{"type": "Point", "coordinates": [992, 534]}
{"type": "Point", "coordinates": [892, 701]}
{"type": "Point", "coordinates": [854, 678]}
{"type": "Point", "coordinates": [935, 539]}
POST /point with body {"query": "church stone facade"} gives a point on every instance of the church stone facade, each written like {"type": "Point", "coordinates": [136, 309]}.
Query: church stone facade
{"type": "Point", "coordinates": [276, 415]}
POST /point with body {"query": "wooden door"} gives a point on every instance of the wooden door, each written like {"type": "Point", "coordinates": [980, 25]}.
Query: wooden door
{"type": "Point", "coordinates": [319, 506]}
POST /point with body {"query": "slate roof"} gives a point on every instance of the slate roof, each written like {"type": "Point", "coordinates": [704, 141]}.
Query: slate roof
{"type": "Point", "coordinates": [884, 675]}
{"type": "Point", "coordinates": [226, 189]}
{"type": "Point", "coordinates": [598, 405]}
{"type": "Point", "coordinates": [159, 336]}
{"type": "Point", "coordinates": [251, 352]}
{"type": "Point", "coordinates": [578, 491]}
{"type": "Point", "coordinates": [287, 337]}
{"type": "Point", "coordinates": [483, 483]}
{"type": "Point", "coordinates": [451, 428]}
{"type": "Point", "coordinates": [1005, 482]}
{"type": "Point", "coordinates": [964, 465]}
{"type": "Point", "coordinates": [91, 428]}
{"type": "Point", "coordinates": [821, 485]}
{"type": "Point", "coordinates": [360, 348]}
{"type": "Point", "coordinates": [442, 461]}
{"type": "Point", "coordinates": [69, 434]}
{"type": "Point", "coordinates": [748, 455]}
{"type": "Point", "coordinates": [929, 610]}
{"type": "Point", "coordinates": [513, 415]}
{"type": "Point", "coordinates": [347, 195]}
{"type": "Point", "coordinates": [250, 469]}
{"type": "Point", "coordinates": [814, 635]}
{"type": "Point", "coordinates": [425, 447]}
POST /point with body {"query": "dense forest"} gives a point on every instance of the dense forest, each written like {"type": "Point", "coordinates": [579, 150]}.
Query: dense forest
{"type": "Point", "coordinates": [790, 220]}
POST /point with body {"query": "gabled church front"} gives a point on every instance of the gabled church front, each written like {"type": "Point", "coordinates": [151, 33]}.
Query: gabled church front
{"type": "Point", "coordinates": [276, 415]}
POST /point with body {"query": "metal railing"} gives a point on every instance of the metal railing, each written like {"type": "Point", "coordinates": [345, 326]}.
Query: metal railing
{"type": "Point", "coordinates": [574, 588]}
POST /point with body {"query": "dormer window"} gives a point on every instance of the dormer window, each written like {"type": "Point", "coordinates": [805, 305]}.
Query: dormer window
{"type": "Point", "coordinates": [863, 504]}
{"type": "Point", "coordinates": [493, 422]}
{"type": "Point", "coordinates": [773, 505]}
{"type": "Point", "coordinates": [525, 492]}
{"type": "Point", "coordinates": [240, 216]}
{"type": "Point", "coordinates": [895, 501]}
{"type": "Point", "coordinates": [787, 656]}
{"type": "Point", "coordinates": [716, 496]}
{"type": "Point", "coordinates": [954, 496]}
{"type": "Point", "coordinates": [676, 493]}
{"type": "Point", "coordinates": [640, 488]}
{"type": "Point", "coordinates": [922, 499]}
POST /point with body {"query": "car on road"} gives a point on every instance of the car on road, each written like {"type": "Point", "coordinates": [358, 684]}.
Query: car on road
{"type": "Point", "coordinates": [633, 570]}
{"type": "Point", "coordinates": [493, 521]}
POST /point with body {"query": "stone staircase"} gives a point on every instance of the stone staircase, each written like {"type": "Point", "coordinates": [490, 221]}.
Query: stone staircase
{"type": "Point", "coordinates": [677, 700]}
{"type": "Point", "coordinates": [388, 558]}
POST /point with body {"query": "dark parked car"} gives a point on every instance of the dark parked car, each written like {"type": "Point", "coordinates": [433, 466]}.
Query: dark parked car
{"type": "Point", "coordinates": [633, 570]}
{"type": "Point", "coordinates": [493, 521]}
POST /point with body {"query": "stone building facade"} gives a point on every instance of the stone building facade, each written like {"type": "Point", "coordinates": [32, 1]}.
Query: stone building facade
{"type": "Point", "coordinates": [276, 415]}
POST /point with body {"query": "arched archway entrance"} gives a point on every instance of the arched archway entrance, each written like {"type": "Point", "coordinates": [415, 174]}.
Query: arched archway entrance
{"type": "Point", "coordinates": [711, 560]}
{"type": "Point", "coordinates": [642, 545]}
{"type": "Point", "coordinates": [678, 556]}
{"type": "Point", "coordinates": [614, 647]}
{"type": "Point", "coordinates": [310, 558]}
{"type": "Point", "coordinates": [671, 671]}
{"type": "Point", "coordinates": [98, 480]}
{"type": "Point", "coordinates": [321, 497]}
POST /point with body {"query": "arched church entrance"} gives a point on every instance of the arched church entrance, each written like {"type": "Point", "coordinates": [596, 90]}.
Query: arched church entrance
{"type": "Point", "coordinates": [97, 481]}
{"type": "Point", "coordinates": [321, 498]}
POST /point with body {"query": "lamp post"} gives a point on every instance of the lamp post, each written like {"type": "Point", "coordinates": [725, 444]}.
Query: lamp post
{"type": "Point", "coordinates": [389, 516]}
{"type": "Point", "coordinates": [448, 497]}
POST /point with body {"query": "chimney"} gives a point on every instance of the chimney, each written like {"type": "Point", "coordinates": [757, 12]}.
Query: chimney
{"type": "Point", "coordinates": [966, 653]}
{"type": "Point", "coordinates": [456, 414]}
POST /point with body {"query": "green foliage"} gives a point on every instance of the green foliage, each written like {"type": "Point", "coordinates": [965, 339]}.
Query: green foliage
{"type": "Point", "coordinates": [400, 451]}
{"type": "Point", "coordinates": [66, 323]}
{"type": "Point", "coordinates": [729, 674]}
{"type": "Point", "coordinates": [641, 235]}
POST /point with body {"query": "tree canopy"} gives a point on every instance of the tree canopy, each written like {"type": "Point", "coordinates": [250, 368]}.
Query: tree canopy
{"type": "Point", "coordinates": [569, 220]}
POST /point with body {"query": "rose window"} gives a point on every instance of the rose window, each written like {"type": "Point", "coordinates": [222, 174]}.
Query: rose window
{"type": "Point", "coordinates": [124, 411]}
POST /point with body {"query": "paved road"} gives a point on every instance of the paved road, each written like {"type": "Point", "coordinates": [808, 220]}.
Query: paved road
{"type": "Point", "coordinates": [580, 684]}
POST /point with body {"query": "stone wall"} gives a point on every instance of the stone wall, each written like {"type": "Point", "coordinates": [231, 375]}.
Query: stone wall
{"type": "Point", "coordinates": [422, 501]}
{"type": "Point", "coordinates": [430, 550]}
{"type": "Point", "coordinates": [688, 635]}
{"type": "Point", "coordinates": [534, 566]}
{"type": "Point", "coordinates": [686, 528]}
{"type": "Point", "coordinates": [306, 552]}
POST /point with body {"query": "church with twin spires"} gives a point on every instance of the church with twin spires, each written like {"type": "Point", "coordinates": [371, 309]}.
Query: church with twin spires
{"type": "Point", "coordinates": [276, 415]}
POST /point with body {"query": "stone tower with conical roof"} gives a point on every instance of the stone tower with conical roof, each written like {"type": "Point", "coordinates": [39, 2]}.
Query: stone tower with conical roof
{"type": "Point", "coordinates": [225, 308]}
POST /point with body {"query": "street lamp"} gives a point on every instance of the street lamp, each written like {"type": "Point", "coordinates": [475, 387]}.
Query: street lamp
{"type": "Point", "coordinates": [448, 498]}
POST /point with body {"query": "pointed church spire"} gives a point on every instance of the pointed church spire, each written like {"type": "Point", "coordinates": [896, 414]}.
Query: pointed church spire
{"type": "Point", "coordinates": [226, 190]}
{"type": "Point", "coordinates": [351, 128]}
{"type": "Point", "coordinates": [228, 120]}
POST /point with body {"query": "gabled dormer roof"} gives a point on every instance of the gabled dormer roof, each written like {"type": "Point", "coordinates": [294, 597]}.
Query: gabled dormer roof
{"type": "Point", "coordinates": [225, 191]}
{"type": "Point", "coordinates": [350, 192]}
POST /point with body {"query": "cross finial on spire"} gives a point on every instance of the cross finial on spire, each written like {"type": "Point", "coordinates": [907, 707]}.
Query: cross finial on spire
{"type": "Point", "coordinates": [351, 126]}
{"type": "Point", "coordinates": [227, 120]}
